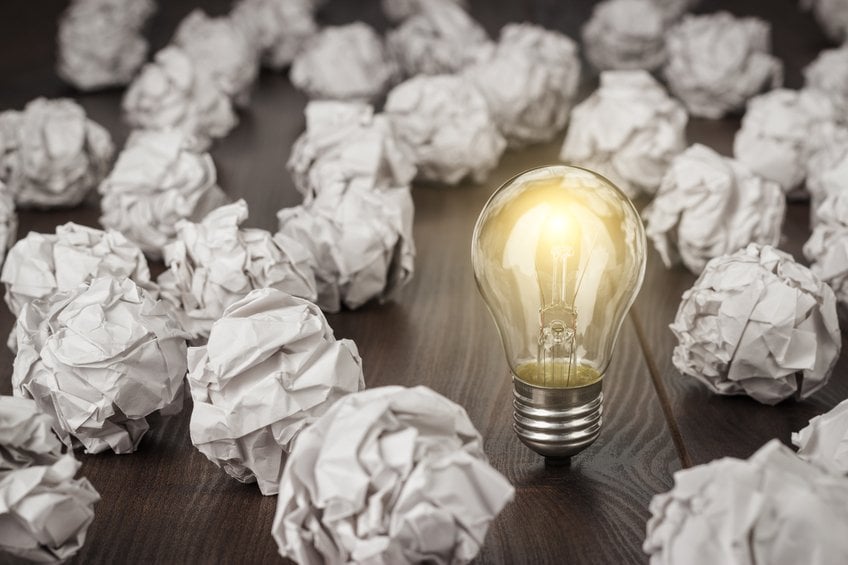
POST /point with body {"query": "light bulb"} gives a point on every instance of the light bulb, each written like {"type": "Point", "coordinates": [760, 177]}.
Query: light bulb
{"type": "Point", "coordinates": [559, 256]}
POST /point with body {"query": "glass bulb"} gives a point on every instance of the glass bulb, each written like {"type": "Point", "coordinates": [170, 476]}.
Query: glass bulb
{"type": "Point", "coordinates": [559, 256]}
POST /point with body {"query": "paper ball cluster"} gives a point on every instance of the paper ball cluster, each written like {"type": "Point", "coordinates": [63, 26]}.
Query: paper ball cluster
{"type": "Point", "coordinates": [100, 358]}
{"type": "Point", "coordinates": [271, 367]}
{"type": "Point", "coordinates": [625, 34]}
{"type": "Point", "coordinates": [628, 130]}
{"type": "Point", "coordinates": [758, 323]}
{"type": "Point", "coordinates": [277, 28]}
{"type": "Point", "coordinates": [51, 155]}
{"type": "Point", "coordinates": [160, 178]}
{"type": "Point", "coordinates": [388, 475]}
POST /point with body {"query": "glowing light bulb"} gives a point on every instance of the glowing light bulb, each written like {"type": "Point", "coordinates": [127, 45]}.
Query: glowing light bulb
{"type": "Point", "coordinates": [559, 256]}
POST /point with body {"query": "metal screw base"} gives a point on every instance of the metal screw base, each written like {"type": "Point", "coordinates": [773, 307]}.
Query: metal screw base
{"type": "Point", "coordinates": [557, 422]}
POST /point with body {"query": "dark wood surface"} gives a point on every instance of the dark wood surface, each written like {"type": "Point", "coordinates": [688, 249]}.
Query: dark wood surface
{"type": "Point", "coordinates": [167, 504]}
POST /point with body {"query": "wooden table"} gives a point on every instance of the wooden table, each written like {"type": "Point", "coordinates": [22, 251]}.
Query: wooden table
{"type": "Point", "coordinates": [168, 504]}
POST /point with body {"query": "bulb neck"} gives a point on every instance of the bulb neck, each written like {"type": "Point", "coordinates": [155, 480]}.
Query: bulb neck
{"type": "Point", "coordinates": [557, 422]}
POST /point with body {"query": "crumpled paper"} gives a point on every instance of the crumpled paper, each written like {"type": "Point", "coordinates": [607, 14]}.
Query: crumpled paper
{"type": "Point", "coordinates": [173, 92]}
{"type": "Point", "coordinates": [832, 16]}
{"type": "Point", "coordinates": [781, 130]}
{"type": "Point", "coordinates": [827, 248]}
{"type": "Point", "coordinates": [100, 358]}
{"type": "Point", "coordinates": [215, 262]}
{"type": "Point", "coordinates": [771, 509]}
{"type": "Point", "coordinates": [758, 323]}
{"type": "Point", "coordinates": [529, 83]}
{"type": "Point", "coordinates": [26, 435]}
{"type": "Point", "coordinates": [716, 62]}
{"type": "Point", "coordinates": [828, 73]}
{"type": "Point", "coordinates": [272, 367]}
{"type": "Point", "coordinates": [399, 10]}
{"type": "Point", "coordinates": [8, 221]}
{"type": "Point", "coordinates": [344, 63]}
{"type": "Point", "coordinates": [160, 178]}
{"type": "Point", "coordinates": [41, 264]}
{"type": "Point", "coordinates": [441, 38]}
{"type": "Point", "coordinates": [100, 43]}
{"type": "Point", "coordinates": [447, 124]}
{"type": "Point", "coordinates": [222, 49]}
{"type": "Point", "coordinates": [709, 205]}
{"type": "Point", "coordinates": [360, 240]}
{"type": "Point", "coordinates": [351, 138]}
{"type": "Point", "coordinates": [673, 10]}
{"type": "Point", "coordinates": [824, 441]}
{"type": "Point", "coordinates": [388, 475]}
{"type": "Point", "coordinates": [51, 155]}
{"type": "Point", "coordinates": [278, 28]}
{"type": "Point", "coordinates": [44, 512]}
{"type": "Point", "coordinates": [827, 171]}
{"type": "Point", "coordinates": [625, 34]}
{"type": "Point", "coordinates": [628, 130]}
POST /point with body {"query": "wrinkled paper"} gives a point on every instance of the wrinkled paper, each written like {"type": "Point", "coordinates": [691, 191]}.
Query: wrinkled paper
{"type": "Point", "coordinates": [100, 42]}
{"type": "Point", "coordinates": [827, 171]}
{"type": "Point", "coordinates": [827, 248]}
{"type": "Point", "coordinates": [160, 178]}
{"type": "Point", "coordinates": [272, 367]}
{"type": "Point", "coordinates": [222, 50]}
{"type": "Point", "coordinates": [771, 509]}
{"type": "Point", "coordinates": [441, 38]}
{"type": "Point", "coordinates": [51, 155]}
{"type": "Point", "coordinates": [44, 512]}
{"type": "Point", "coordinates": [215, 262]}
{"type": "Point", "coordinates": [344, 63]}
{"type": "Point", "coordinates": [709, 205]}
{"type": "Point", "coordinates": [625, 34]}
{"type": "Point", "coordinates": [824, 441]}
{"type": "Point", "coordinates": [173, 92]}
{"type": "Point", "coordinates": [100, 358]}
{"type": "Point", "coordinates": [716, 62]}
{"type": "Point", "coordinates": [674, 9]}
{"type": "Point", "coordinates": [529, 83]}
{"type": "Point", "coordinates": [8, 221]}
{"type": "Point", "coordinates": [448, 126]}
{"type": "Point", "coordinates": [399, 10]}
{"type": "Point", "coordinates": [781, 130]}
{"type": "Point", "coordinates": [758, 323]}
{"type": "Point", "coordinates": [26, 435]}
{"type": "Point", "coordinates": [832, 16]}
{"type": "Point", "coordinates": [388, 475]}
{"type": "Point", "coordinates": [828, 73]}
{"type": "Point", "coordinates": [629, 130]}
{"type": "Point", "coordinates": [278, 28]}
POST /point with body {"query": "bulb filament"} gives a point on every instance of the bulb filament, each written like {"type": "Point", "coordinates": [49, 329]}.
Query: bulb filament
{"type": "Point", "coordinates": [558, 327]}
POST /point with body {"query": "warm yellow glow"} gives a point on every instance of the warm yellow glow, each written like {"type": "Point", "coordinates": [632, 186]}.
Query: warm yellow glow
{"type": "Point", "coordinates": [581, 375]}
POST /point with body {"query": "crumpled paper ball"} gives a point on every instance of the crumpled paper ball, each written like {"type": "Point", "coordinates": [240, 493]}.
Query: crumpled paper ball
{"type": "Point", "coordinates": [215, 262]}
{"type": "Point", "coordinates": [772, 508]}
{"type": "Point", "coordinates": [447, 124]}
{"type": "Point", "coordinates": [832, 16]}
{"type": "Point", "coordinates": [781, 130]}
{"type": "Point", "coordinates": [388, 475]}
{"type": "Point", "coordinates": [160, 178]}
{"type": "Point", "coordinates": [278, 28]}
{"type": "Point", "coordinates": [100, 43]}
{"type": "Point", "coordinates": [8, 221]}
{"type": "Point", "coordinates": [529, 83]}
{"type": "Point", "coordinates": [360, 240]}
{"type": "Point", "coordinates": [45, 513]}
{"type": "Point", "coordinates": [349, 137]}
{"type": "Point", "coordinates": [673, 10]}
{"type": "Point", "coordinates": [441, 38]}
{"type": "Point", "coordinates": [828, 73]}
{"type": "Point", "coordinates": [343, 63]}
{"type": "Point", "coordinates": [26, 435]}
{"type": "Point", "coordinates": [708, 206]}
{"type": "Point", "coordinates": [51, 155]}
{"type": "Point", "coordinates": [824, 441]}
{"type": "Point", "coordinates": [223, 50]}
{"type": "Point", "coordinates": [41, 264]}
{"type": "Point", "coordinates": [758, 323]}
{"type": "Point", "coordinates": [827, 172]}
{"type": "Point", "coordinates": [272, 367]}
{"type": "Point", "coordinates": [173, 92]}
{"type": "Point", "coordinates": [399, 10]}
{"type": "Point", "coordinates": [625, 34]}
{"type": "Point", "coordinates": [716, 62]}
{"type": "Point", "coordinates": [100, 358]}
{"type": "Point", "coordinates": [628, 130]}
{"type": "Point", "coordinates": [827, 248]}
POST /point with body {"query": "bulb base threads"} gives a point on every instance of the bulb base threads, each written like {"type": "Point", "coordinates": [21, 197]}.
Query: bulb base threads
{"type": "Point", "coordinates": [557, 422]}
